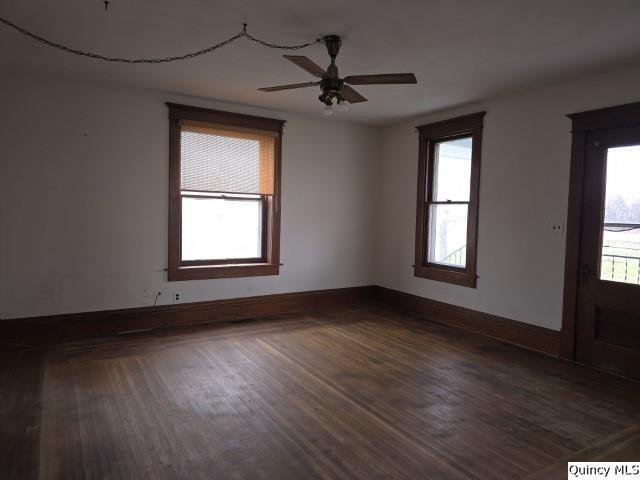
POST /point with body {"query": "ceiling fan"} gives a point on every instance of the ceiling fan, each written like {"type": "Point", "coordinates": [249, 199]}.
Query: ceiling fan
{"type": "Point", "coordinates": [333, 87]}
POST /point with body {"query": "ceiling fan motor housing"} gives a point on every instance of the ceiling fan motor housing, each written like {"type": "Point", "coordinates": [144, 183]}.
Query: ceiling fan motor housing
{"type": "Point", "coordinates": [331, 88]}
{"type": "Point", "coordinates": [333, 43]}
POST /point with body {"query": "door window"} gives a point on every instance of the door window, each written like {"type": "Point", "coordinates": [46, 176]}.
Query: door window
{"type": "Point", "coordinates": [620, 257]}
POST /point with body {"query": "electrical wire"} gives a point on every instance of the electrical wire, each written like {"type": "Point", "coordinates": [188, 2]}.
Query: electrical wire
{"type": "Point", "coordinates": [187, 56]}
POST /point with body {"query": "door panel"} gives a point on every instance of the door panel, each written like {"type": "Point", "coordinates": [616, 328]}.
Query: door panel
{"type": "Point", "coordinates": [608, 321]}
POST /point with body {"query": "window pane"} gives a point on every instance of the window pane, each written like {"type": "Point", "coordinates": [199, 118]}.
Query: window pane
{"type": "Point", "coordinates": [452, 170]}
{"type": "Point", "coordinates": [216, 228]}
{"type": "Point", "coordinates": [621, 236]}
{"type": "Point", "coordinates": [448, 235]}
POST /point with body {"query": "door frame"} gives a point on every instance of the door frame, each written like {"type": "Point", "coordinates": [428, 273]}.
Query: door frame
{"type": "Point", "coordinates": [583, 123]}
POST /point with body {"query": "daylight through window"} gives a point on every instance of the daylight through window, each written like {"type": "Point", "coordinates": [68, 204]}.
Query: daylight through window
{"type": "Point", "coordinates": [448, 200]}
{"type": "Point", "coordinates": [226, 217]}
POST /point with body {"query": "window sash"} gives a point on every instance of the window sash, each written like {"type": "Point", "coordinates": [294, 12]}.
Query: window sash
{"type": "Point", "coordinates": [264, 200]}
{"type": "Point", "coordinates": [430, 237]}
{"type": "Point", "coordinates": [448, 202]}
{"type": "Point", "coordinates": [429, 173]}
{"type": "Point", "coordinates": [430, 181]}
{"type": "Point", "coordinates": [439, 167]}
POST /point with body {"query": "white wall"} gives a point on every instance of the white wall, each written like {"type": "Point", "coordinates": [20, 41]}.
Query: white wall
{"type": "Point", "coordinates": [83, 200]}
{"type": "Point", "coordinates": [524, 188]}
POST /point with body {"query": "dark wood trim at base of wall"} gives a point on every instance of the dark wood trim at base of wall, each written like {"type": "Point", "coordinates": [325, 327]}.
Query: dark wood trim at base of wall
{"type": "Point", "coordinates": [75, 326]}
{"type": "Point", "coordinates": [59, 328]}
{"type": "Point", "coordinates": [523, 334]}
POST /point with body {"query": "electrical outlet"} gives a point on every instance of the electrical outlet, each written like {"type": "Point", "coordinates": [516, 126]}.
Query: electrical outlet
{"type": "Point", "coordinates": [177, 297]}
{"type": "Point", "coordinates": [557, 228]}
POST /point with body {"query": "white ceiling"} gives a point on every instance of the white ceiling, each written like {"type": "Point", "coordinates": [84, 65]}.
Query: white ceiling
{"type": "Point", "coordinates": [460, 50]}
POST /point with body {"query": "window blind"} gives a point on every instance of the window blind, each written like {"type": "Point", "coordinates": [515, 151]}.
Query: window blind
{"type": "Point", "coordinates": [226, 161]}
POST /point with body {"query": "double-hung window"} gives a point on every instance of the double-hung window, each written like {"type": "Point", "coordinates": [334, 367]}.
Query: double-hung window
{"type": "Point", "coordinates": [447, 208]}
{"type": "Point", "coordinates": [224, 199]}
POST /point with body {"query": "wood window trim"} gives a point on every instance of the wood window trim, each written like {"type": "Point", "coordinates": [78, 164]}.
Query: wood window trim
{"type": "Point", "coordinates": [270, 265]}
{"type": "Point", "coordinates": [581, 124]}
{"type": "Point", "coordinates": [429, 135]}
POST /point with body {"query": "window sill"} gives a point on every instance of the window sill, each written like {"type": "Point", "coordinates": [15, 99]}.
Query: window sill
{"type": "Point", "coordinates": [455, 277]}
{"type": "Point", "coordinates": [204, 272]}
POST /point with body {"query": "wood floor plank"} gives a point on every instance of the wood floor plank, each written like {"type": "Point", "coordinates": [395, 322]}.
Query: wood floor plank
{"type": "Point", "coordinates": [425, 409]}
{"type": "Point", "coordinates": [362, 436]}
{"type": "Point", "coordinates": [521, 380]}
{"type": "Point", "coordinates": [522, 372]}
{"type": "Point", "coordinates": [21, 375]}
{"type": "Point", "coordinates": [350, 393]}
{"type": "Point", "coordinates": [622, 446]}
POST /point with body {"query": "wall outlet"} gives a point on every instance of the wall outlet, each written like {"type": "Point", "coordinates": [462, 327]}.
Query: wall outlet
{"type": "Point", "coordinates": [557, 228]}
{"type": "Point", "coordinates": [177, 297]}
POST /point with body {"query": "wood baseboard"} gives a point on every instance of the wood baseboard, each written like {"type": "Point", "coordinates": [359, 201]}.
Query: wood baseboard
{"type": "Point", "coordinates": [60, 328]}
{"type": "Point", "coordinates": [525, 335]}
{"type": "Point", "coordinates": [75, 326]}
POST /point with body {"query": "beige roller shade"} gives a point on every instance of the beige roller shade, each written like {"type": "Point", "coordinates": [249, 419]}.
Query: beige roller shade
{"type": "Point", "coordinates": [217, 159]}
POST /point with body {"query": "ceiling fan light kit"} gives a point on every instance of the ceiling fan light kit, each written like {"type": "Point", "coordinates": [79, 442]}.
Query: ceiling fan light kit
{"type": "Point", "coordinates": [336, 90]}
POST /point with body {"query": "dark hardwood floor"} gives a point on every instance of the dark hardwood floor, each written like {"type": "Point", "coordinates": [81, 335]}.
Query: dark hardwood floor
{"type": "Point", "coordinates": [356, 392]}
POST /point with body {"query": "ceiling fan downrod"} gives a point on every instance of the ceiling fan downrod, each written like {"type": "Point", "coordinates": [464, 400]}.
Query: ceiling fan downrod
{"type": "Point", "coordinates": [332, 85]}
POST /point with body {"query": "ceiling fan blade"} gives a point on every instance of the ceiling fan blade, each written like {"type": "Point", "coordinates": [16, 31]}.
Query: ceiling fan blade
{"type": "Point", "coordinates": [289, 87]}
{"type": "Point", "coordinates": [351, 96]}
{"type": "Point", "coordinates": [307, 64]}
{"type": "Point", "coordinates": [384, 79]}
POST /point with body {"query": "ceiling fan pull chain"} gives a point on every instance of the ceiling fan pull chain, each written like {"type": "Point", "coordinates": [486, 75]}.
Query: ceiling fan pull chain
{"type": "Point", "coordinates": [186, 56]}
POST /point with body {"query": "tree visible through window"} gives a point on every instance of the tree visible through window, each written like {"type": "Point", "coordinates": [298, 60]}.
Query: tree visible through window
{"type": "Point", "coordinates": [620, 258]}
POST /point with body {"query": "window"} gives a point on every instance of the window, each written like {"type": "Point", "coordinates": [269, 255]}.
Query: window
{"type": "Point", "coordinates": [447, 208]}
{"type": "Point", "coordinates": [620, 250]}
{"type": "Point", "coordinates": [224, 195]}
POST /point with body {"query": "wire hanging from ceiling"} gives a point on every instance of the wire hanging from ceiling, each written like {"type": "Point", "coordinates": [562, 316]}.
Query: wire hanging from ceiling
{"type": "Point", "coordinates": [187, 56]}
